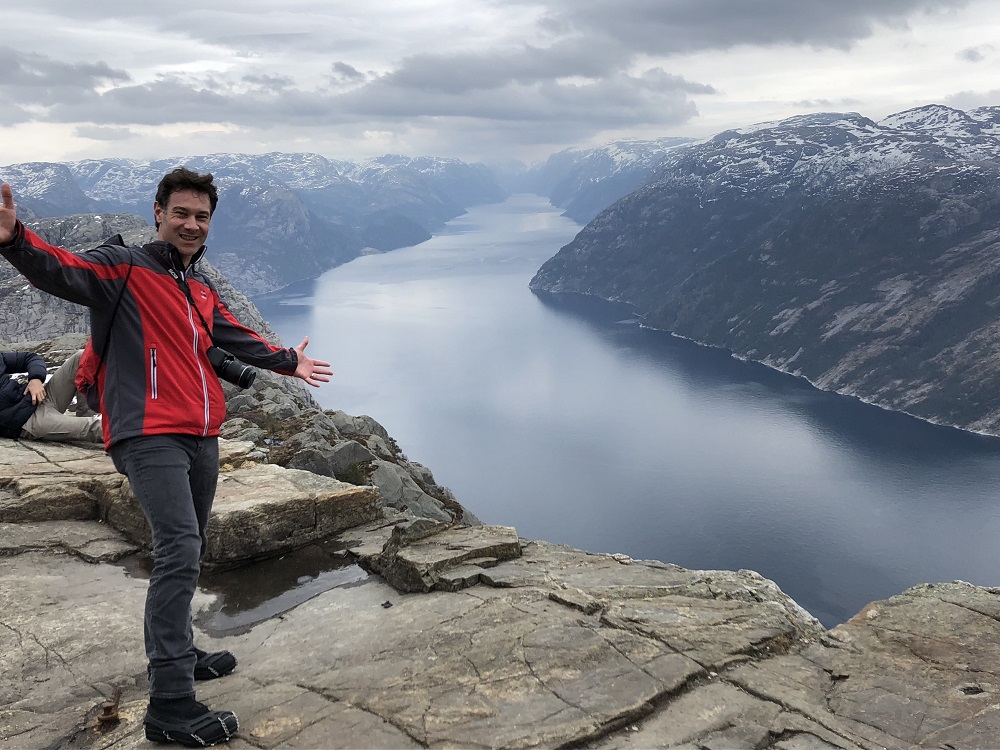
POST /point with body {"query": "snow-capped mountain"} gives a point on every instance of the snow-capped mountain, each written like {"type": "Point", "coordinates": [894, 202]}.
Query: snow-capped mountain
{"type": "Point", "coordinates": [281, 217]}
{"type": "Point", "coordinates": [862, 255]}
{"type": "Point", "coordinates": [586, 181]}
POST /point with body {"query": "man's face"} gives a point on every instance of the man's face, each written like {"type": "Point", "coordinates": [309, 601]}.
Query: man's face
{"type": "Point", "coordinates": [184, 221]}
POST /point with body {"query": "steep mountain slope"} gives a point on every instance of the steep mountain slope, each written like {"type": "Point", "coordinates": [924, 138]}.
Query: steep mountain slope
{"type": "Point", "coordinates": [281, 217]}
{"type": "Point", "coordinates": [864, 256]}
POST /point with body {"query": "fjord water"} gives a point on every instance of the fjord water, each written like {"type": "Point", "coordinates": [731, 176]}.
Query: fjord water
{"type": "Point", "coordinates": [564, 418]}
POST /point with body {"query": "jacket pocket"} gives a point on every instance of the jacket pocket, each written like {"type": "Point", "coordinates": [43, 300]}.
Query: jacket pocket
{"type": "Point", "coordinates": [152, 372]}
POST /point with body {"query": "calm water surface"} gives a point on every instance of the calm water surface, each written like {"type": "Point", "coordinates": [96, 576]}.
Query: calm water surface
{"type": "Point", "coordinates": [565, 419]}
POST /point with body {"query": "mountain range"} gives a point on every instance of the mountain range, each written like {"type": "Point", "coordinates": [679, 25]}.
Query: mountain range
{"type": "Point", "coordinates": [862, 255]}
{"type": "Point", "coordinates": [282, 217]}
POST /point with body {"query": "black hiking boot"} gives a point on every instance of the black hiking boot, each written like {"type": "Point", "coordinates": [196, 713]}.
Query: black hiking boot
{"type": "Point", "coordinates": [187, 722]}
{"type": "Point", "coordinates": [212, 665]}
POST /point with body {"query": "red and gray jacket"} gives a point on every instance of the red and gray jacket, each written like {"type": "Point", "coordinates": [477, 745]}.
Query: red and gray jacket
{"type": "Point", "coordinates": [156, 378]}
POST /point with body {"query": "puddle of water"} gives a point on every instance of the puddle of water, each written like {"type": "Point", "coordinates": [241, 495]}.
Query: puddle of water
{"type": "Point", "coordinates": [256, 592]}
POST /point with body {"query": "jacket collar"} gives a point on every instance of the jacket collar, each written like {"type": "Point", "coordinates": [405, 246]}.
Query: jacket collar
{"type": "Point", "coordinates": [168, 255]}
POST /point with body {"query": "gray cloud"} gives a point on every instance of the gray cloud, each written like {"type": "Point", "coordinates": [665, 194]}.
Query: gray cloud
{"type": "Point", "coordinates": [549, 120]}
{"type": "Point", "coordinates": [972, 99]}
{"type": "Point", "coordinates": [166, 101]}
{"type": "Point", "coordinates": [343, 74]}
{"type": "Point", "coordinates": [654, 26]}
{"type": "Point", "coordinates": [248, 27]}
{"type": "Point", "coordinates": [30, 78]}
{"type": "Point", "coordinates": [675, 26]}
{"type": "Point", "coordinates": [826, 104]}
{"type": "Point", "coordinates": [611, 102]}
{"type": "Point", "coordinates": [103, 133]}
{"type": "Point", "coordinates": [12, 114]}
{"type": "Point", "coordinates": [458, 73]}
{"type": "Point", "coordinates": [600, 104]}
{"type": "Point", "coordinates": [976, 54]}
{"type": "Point", "coordinates": [268, 82]}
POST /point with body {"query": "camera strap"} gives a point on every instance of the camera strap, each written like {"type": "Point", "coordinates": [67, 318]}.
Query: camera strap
{"type": "Point", "coordinates": [182, 283]}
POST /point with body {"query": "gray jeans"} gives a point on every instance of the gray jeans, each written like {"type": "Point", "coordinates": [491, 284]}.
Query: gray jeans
{"type": "Point", "coordinates": [174, 479]}
{"type": "Point", "coordinates": [50, 422]}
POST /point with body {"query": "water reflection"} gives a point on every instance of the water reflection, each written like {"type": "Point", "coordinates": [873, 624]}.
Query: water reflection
{"type": "Point", "coordinates": [251, 594]}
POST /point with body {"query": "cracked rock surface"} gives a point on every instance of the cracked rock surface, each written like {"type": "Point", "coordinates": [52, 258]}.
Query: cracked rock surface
{"type": "Point", "coordinates": [460, 637]}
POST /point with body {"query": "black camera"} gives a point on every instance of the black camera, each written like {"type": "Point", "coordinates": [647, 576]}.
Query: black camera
{"type": "Point", "coordinates": [229, 369]}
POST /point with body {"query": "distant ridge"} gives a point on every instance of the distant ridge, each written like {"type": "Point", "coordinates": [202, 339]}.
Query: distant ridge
{"type": "Point", "coordinates": [586, 181]}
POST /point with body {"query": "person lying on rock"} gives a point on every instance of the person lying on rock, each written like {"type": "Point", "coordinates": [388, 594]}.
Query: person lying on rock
{"type": "Point", "coordinates": [156, 325]}
{"type": "Point", "coordinates": [38, 410]}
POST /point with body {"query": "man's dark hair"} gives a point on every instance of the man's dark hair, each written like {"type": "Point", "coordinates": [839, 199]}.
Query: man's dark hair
{"type": "Point", "coordinates": [183, 178]}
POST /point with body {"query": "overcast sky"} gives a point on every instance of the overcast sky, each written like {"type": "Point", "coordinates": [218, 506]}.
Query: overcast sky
{"type": "Point", "coordinates": [481, 80]}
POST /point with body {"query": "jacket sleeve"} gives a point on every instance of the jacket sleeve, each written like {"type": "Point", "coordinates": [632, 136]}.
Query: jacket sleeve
{"type": "Point", "coordinates": [246, 344]}
{"type": "Point", "coordinates": [80, 278]}
{"type": "Point", "coordinates": [28, 362]}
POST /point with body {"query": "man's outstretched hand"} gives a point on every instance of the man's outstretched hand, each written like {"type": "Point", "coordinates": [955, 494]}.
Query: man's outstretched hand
{"type": "Point", "coordinates": [8, 216]}
{"type": "Point", "coordinates": [313, 371]}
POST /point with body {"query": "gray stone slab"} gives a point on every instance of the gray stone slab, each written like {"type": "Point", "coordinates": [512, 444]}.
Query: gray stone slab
{"type": "Point", "coordinates": [48, 497]}
{"type": "Point", "coordinates": [461, 577]}
{"type": "Point", "coordinates": [349, 728]}
{"type": "Point", "coordinates": [804, 741]}
{"type": "Point", "coordinates": [577, 599]}
{"type": "Point", "coordinates": [89, 540]}
{"type": "Point", "coordinates": [261, 510]}
{"type": "Point", "coordinates": [19, 453]}
{"type": "Point", "coordinates": [419, 564]}
{"type": "Point", "coordinates": [703, 717]}
{"type": "Point", "coordinates": [267, 509]}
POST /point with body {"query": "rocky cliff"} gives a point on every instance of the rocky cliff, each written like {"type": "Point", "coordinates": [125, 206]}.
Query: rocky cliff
{"type": "Point", "coordinates": [860, 255]}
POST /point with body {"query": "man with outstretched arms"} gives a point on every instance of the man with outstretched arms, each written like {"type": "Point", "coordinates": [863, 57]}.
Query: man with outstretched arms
{"type": "Point", "coordinates": [154, 316]}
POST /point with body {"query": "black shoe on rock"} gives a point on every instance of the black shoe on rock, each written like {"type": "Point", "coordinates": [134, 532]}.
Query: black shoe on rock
{"type": "Point", "coordinates": [187, 722]}
{"type": "Point", "coordinates": [214, 664]}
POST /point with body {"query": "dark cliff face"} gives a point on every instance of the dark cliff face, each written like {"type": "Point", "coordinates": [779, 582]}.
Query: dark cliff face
{"type": "Point", "coordinates": [864, 256]}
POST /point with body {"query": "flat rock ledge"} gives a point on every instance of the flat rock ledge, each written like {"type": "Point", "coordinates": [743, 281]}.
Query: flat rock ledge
{"type": "Point", "coordinates": [260, 509]}
{"type": "Point", "coordinates": [482, 640]}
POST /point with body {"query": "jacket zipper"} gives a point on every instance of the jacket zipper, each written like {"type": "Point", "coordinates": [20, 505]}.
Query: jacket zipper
{"type": "Point", "coordinates": [201, 370]}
